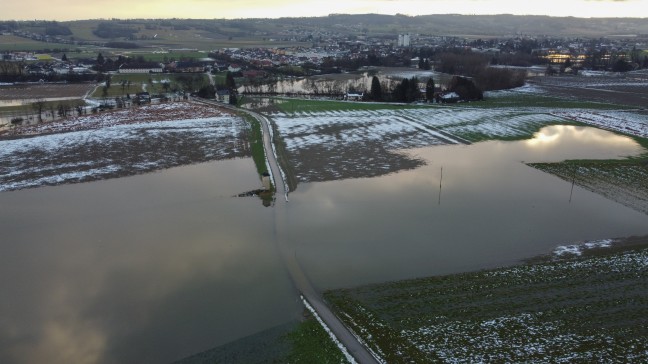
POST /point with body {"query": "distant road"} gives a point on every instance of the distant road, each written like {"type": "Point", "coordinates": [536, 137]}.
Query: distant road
{"type": "Point", "coordinates": [301, 281]}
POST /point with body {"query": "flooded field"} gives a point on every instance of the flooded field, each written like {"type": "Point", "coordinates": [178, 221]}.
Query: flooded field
{"type": "Point", "coordinates": [343, 82]}
{"type": "Point", "coordinates": [144, 269]}
{"type": "Point", "coordinates": [158, 267]}
{"type": "Point", "coordinates": [486, 208]}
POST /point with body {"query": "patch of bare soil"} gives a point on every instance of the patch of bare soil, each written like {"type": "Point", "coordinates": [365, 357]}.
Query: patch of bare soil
{"type": "Point", "coordinates": [332, 148]}
{"type": "Point", "coordinates": [319, 163]}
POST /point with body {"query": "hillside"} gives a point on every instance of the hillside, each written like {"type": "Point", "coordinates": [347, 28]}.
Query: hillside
{"type": "Point", "coordinates": [203, 34]}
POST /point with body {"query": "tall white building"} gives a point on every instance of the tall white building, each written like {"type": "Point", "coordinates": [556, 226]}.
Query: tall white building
{"type": "Point", "coordinates": [403, 40]}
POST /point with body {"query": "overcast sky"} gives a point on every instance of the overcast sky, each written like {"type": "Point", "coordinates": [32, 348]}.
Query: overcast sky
{"type": "Point", "coordinates": [210, 9]}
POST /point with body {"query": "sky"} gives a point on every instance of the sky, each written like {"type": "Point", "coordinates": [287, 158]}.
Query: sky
{"type": "Point", "coordinates": [231, 9]}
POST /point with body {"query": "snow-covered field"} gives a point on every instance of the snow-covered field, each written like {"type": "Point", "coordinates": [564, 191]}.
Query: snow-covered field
{"type": "Point", "coordinates": [120, 143]}
{"type": "Point", "coordinates": [144, 114]}
{"type": "Point", "coordinates": [343, 144]}
{"type": "Point", "coordinates": [628, 122]}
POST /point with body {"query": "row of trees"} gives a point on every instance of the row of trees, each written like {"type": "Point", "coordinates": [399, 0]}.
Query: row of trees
{"type": "Point", "coordinates": [17, 72]}
{"type": "Point", "coordinates": [477, 66]}
{"type": "Point", "coordinates": [408, 90]}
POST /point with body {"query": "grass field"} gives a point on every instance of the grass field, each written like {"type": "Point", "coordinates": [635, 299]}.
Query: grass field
{"type": "Point", "coordinates": [589, 308]}
{"type": "Point", "coordinates": [152, 83]}
{"type": "Point", "coordinates": [13, 43]}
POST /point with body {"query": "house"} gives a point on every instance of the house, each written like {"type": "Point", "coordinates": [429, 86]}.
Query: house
{"type": "Point", "coordinates": [223, 96]}
{"type": "Point", "coordinates": [234, 68]}
{"type": "Point", "coordinates": [141, 68]}
{"type": "Point", "coordinates": [189, 67]}
{"type": "Point", "coordinates": [354, 96]}
{"type": "Point", "coordinates": [448, 98]}
{"type": "Point", "coordinates": [143, 98]}
{"type": "Point", "coordinates": [265, 181]}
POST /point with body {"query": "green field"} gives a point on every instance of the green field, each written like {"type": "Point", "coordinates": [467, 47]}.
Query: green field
{"type": "Point", "coordinates": [152, 83]}
{"type": "Point", "coordinates": [13, 43]}
{"type": "Point", "coordinates": [579, 309]}
{"type": "Point", "coordinates": [294, 342]}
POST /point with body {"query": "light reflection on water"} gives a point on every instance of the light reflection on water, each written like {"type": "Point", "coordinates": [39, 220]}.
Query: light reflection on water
{"type": "Point", "coordinates": [494, 210]}
{"type": "Point", "coordinates": [156, 267]}
{"type": "Point", "coordinates": [143, 269]}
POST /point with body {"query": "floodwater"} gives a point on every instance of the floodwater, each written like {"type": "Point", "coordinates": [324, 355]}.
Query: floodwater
{"type": "Point", "coordinates": [157, 267]}
{"type": "Point", "coordinates": [344, 82]}
{"type": "Point", "coordinates": [144, 269]}
{"type": "Point", "coordinates": [491, 210]}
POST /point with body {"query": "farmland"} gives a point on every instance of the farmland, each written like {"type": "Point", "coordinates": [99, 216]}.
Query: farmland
{"type": "Point", "coordinates": [576, 307]}
{"type": "Point", "coordinates": [119, 143]}
{"type": "Point", "coordinates": [328, 145]}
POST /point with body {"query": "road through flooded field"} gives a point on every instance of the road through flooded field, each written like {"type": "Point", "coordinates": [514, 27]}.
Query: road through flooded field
{"type": "Point", "coordinates": [160, 266]}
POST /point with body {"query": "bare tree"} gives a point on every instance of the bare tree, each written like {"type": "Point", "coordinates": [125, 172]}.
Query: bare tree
{"type": "Point", "coordinates": [39, 107]}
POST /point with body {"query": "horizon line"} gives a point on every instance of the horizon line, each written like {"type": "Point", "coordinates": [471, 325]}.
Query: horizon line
{"type": "Point", "coordinates": [329, 15]}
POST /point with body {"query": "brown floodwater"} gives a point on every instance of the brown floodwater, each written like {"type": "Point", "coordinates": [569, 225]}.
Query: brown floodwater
{"type": "Point", "coordinates": [156, 267]}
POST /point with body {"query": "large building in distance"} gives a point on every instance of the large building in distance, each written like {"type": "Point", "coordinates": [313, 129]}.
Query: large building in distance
{"type": "Point", "coordinates": [403, 40]}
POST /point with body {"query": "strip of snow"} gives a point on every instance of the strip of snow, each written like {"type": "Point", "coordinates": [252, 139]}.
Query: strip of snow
{"type": "Point", "coordinates": [625, 122]}
{"type": "Point", "coordinates": [578, 249]}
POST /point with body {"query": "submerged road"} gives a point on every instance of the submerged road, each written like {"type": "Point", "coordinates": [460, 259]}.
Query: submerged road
{"type": "Point", "coordinates": [289, 256]}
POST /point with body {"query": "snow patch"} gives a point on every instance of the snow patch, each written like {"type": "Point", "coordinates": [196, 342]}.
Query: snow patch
{"type": "Point", "coordinates": [578, 249]}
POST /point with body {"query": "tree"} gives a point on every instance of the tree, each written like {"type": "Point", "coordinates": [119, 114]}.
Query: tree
{"type": "Point", "coordinates": [229, 81]}
{"type": "Point", "coordinates": [166, 86]}
{"type": "Point", "coordinates": [621, 65]}
{"type": "Point", "coordinates": [207, 92]}
{"type": "Point", "coordinates": [407, 90]}
{"type": "Point", "coordinates": [100, 59]}
{"type": "Point", "coordinates": [429, 89]}
{"type": "Point", "coordinates": [39, 106]}
{"type": "Point", "coordinates": [465, 88]}
{"type": "Point", "coordinates": [376, 89]}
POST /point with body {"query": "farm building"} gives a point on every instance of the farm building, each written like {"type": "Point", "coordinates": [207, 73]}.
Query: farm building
{"type": "Point", "coordinates": [141, 68]}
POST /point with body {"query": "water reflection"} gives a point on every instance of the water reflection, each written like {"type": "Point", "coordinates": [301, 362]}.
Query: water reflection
{"type": "Point", "coordinates": [157, 267]}
{"type": "Point", "coordinates": [564, 136]}
{"type": "Point", "coordinates": [495, 210]}
{"type": "Point", "coordinates": [138, 270]}
{"type": "Point", "coordinates": [342, 82]}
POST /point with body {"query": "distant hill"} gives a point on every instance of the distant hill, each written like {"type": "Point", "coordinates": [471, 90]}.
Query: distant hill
{"type": "Point", "coordinates": [213, 33]}
{"type": "Point", "coordinates": [487, 25]}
